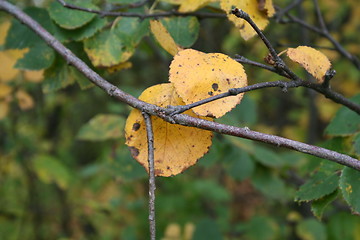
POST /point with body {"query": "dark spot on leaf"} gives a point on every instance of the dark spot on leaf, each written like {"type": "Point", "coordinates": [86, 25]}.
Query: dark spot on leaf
{"type": "Point", "coordinates": [193, 146]}
{"type": "Point", "coordinates": [228, 81]}
{"type": "Point", "coordinates": [177, 72]}
{"type": "Point", "coordinates": [168, 168]}
{"type": "Point", "coordinates": [136, 126]}
{"type": "Point", "coordinates": [210, 115]}
{"type": "Point", "coordinates": [158, 172]}
{"type": "Point", "coordinates": [134, 151]}
{"type": "Point", "coordinates": [215, 86]}
{"type": "Point", "coordinates": [180, 65]}
{"type": "Point", "coordinates": [210, 93]}
{"type": "Point", "coordinates": [212, 69]}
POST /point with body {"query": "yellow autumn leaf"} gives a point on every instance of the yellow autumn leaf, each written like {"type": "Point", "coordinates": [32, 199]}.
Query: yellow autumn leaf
{"type": "Point", "coordinates": [163, 37]}
{"type": "Point", "coordinates": [315, 62]}
{"type": "Point", "coordinates": [4, 27]}
{"type": "Point", "coordinates": [4, 109]}
{"type": "Point", "coordinates": [34, 76]}
{"type": "Point", "coordinates": [8, 59]}
{"type": "Point", "coordinates": [5, 90]}
{"type": "Point", "coordinates": [259, 13]}
{"type": "Point", "coordinates": [197, 75]}
{"type": "Point", "coordinates": [25, 101]}
{"type": "Point", "coordinates": [176, 147]}
{"type": "Point", "coordinates": [118, 67]}
{"type": "Point", "coordinates": [193, 5]}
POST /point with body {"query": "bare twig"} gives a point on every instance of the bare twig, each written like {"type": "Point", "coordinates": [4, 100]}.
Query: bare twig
{"type": "Point", "coordinates": [142, 15]}
{"type": "Point", "coordinates": [182, 119]}
{"type": "Point", "coordinates": [152, 185]}
{"type": "Point", "coordinates": [282, 12]}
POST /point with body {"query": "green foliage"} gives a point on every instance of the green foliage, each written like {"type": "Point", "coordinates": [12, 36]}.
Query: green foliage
{"type": "Point", "coordinates": [66, 173]}
{"type": "Point", "coordinates": [349, 181]}
{"type": "Point", "coordinates": [184, 30]}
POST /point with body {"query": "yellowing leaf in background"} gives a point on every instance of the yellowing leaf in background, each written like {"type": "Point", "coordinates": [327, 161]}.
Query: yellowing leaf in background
{"type": "Point", "coordinates": [8, 59]}
{"type": "Point", "coordinates": [176, 147]}
{"type": "Point", "coordinates": [25, 101]}
{"type": "Point", "coordinates": [197, 75]}
{"type": "Point", "coordinates": [4, 109]}
{"type": "Point", "coordinates": [257, 11]}
{"type": "Point", "coordinates": [34, 76]}
{"type": "Point", "coordinates": [163, 37]}
{"type": "Point", "coordinates": [192, 5]}
{"type": "Point", "coordinates": [4, 27]}
{"type": "Point", "coordinates": [5, 90]}
{"type": "Point", "coordinates": [315, 62]}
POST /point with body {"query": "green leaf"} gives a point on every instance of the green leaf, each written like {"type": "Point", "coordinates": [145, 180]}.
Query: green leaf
{"type": "Point", "coordinates": [349, 185]}
{"type": "Point", "coordinates": [184, 30]}
{"type": "Point", "coordinates": [318, 206]}
{"type": "Point", "coordinates": [116, 45]}
{"type": "Point", "coordinates": [122, 1]}
{"type": "Point", "coordinates": [39, 57]}
{"type": "Point", "coordinates": [345, 122]}
{"type": "Point", "coordinates": [21, 36]}
{"type": "Point", "coordinates": [207, 229]}
{"type": "Point", "coordinates": [131, 30]}
{"type": "Point", "coordinates": [51, 170]}
{"type": "Point", "coordinates": [321, 183]}
{"type": "Point", "coordinates": [269, 184]}
{"type": "Point", "coordinates": [267, 157]}
{"type": "Point", "coordinates": [58, 76]}
{"type": "Point", "coordinates": [261, 228]}
{"type": "Point", "coordinates": [344, 226]}
{"type": "Point", "coordinates": [239, 165]}
{"type": "Point", "coordinates": [81, 33]}
{"type": "Point", "coordinates": [310, 229]}
{"type": "Point", "coordinates": [70, 18]}
{"type": "Point", "coordinates": [102, 127]}
{"type": "Point", "coordinates": [356, 144]}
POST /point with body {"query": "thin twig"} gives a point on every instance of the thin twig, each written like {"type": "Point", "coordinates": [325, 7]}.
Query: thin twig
{"type": "Point", "coordinates": [282, 12]}
{"type": "Point", "coordinates": [320, 17]}
{"type": "Point", "coordinates": [142, 15]}
{"type": "Point", "coordinates": [152, 185]}
{"type": "Point", "coordinates": [284, 85]}
{"type": "Point", "coordinates": [182, 119]}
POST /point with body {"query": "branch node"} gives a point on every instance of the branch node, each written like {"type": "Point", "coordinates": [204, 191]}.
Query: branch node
{"type": "Point", "coordinates": [328, 76]}
{"type": "Point", "coordinates": [233, 91]}
{"type": "Point", "coordinates": [240, 13]}
{"type": "Point", "coordinates": [111, 91]}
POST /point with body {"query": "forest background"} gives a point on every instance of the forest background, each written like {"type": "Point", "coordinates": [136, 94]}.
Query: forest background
{"type": "Point", "coordinates": [66, 172]}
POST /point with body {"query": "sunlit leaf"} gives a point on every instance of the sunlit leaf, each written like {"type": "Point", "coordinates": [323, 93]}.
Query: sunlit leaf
{"type": "Point", "coordinates": [256, 12]}
{"type": "Point", "coordinates": [315, 62]}
{"type": "Point", "coordinates": [5, 90]}
{"type": "Point", "coordinates": [102, 127]}
{"type": "Point", "coordinates": [34, 76]}
{"type": "Point", "coordinates": [349, 185]}
{"type": "Point", "coordinates": [4, 109]}
{"type": "Point", "coordinates": [176, 147]}
{"type": "Point", "coordinates": [4, 27]}
{"type": "Point", "coordinates": [163, 37]}
{"type": "Point", "coordinates": [70, 18]}
{"type": "Point", "coordinates": [197, 76]}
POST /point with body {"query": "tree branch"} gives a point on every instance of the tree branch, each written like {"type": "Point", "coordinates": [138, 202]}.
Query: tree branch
{"type": "Point", "coordinates": [142, 15]}
{"type": "Point", "coordinates": [152, 185]}
{"type": "Point", "coordinates": [182, 119]}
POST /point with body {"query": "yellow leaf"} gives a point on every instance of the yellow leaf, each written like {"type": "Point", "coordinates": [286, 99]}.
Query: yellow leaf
{"type": "Point", "coordinates": [120, 66]}
{"type": "Point", "coordinates": [193, 5]}
{"type": "Point", "coordinates": [197, 75]}
{"type": "Point", "coordinates": [5, 90]}
{"type": "Point", "coordinates": [4, 27]}
{"type": "Point", "coordinates": [34, 76]}
{"type": "Point", "coordinates": [176, 147]}
{"type": "Point", "coordinates": [315, 62]}
{"type": "Point", "coordinates": [172, 232]}
{"type": "Point", "coordinates": [163, 37]}
{"type": "Point", "coordinates": [8, 59]}
{"type": "Point", "coordinates": [25, 101]}
{"type": "Point", "coordinates": [259, 16]}
{"type": "Point", "coordinates": [4, 109]}
{"type": "Point", "coordinates": [267, 7]}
